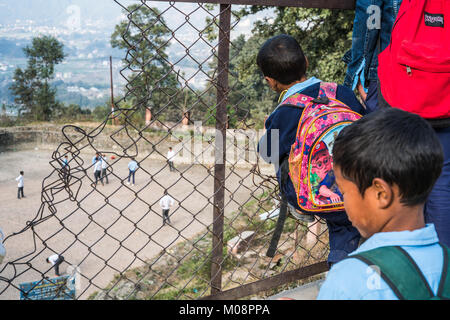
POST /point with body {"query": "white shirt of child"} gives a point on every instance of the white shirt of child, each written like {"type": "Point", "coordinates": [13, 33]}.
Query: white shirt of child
{"type": "Point", "coordinates": [20, 180]}
{"type": "Point", "coordinates": [166, 202]}
{"type": "Point", "coordinates": [170, 155]}
{"type": "Point", "coordinates": [98, 166]}
{"type": "Point", "coordinates": [53, 258]}
{"type": "Point", "coordinates": [104, 163]}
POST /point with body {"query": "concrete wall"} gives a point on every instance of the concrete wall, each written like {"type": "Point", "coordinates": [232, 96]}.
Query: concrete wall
{"type": "Point", "coordinates": [192, 144]}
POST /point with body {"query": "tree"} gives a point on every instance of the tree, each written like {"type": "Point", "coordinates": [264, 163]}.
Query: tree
{"type": "Point", "coordinates": [31, 87]}
{"type": "Point", "coordinates": [72, 112]}
{"type": "Point", "coordinates": [152, 83]}
{"type": "Point", "coordinates": [101, 113]}
{"type": "Point", "coordinates": [325, 35]}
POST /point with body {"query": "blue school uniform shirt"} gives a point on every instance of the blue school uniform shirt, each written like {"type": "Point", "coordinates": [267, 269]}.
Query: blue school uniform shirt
{"type": "Point", "coordinates": [133, 165]}
{"type": "Point", "coordinates": [352, 279]}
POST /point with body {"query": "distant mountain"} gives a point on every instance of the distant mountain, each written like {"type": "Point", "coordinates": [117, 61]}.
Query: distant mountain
{"type": "Point", "coordinates": [58, 12]}
{"type": "Point", "coordinates": [85, 28]}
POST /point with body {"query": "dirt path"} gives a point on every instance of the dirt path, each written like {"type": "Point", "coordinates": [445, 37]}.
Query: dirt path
{"type": "Point", "coordinates": [101, 230]}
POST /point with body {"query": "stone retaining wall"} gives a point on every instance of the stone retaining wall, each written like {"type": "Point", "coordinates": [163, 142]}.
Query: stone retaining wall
{"type": "Point", "coordinates": [192, 144]}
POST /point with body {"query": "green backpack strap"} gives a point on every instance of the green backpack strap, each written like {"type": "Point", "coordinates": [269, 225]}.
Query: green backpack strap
{"type": "Point", "coordinates": [399, 271]}
{"type": "Point", "coordinates": [444, 284]}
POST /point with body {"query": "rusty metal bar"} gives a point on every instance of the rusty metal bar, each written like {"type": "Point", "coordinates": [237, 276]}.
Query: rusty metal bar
{"type": "Point", "coordinates": [219, 166]}
{"type": "Point", "coordinates": [270, 283]}
{"type": "Point", "coordinates": [325, 4]}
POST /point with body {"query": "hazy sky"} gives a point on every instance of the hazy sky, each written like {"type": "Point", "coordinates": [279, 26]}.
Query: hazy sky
{"type": "Point", "coordinates": [104, 14]}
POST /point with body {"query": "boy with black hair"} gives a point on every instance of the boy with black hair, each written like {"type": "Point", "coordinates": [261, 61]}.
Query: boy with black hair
{"type": "Point", "coordinates": [166, 202]}
{"type": "Point", "coordinates": [284, 66]}
{"type": "Point", "coordinates": [386, 165]}
{"type": "Point", "coordinates": [55, 260]}
{"type": "Point", "coordinates": [20, 185]}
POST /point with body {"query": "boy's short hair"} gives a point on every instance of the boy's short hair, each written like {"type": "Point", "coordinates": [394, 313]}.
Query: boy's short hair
{"type": "Point", "coordinates": [282, 59]}
{"type": "Point", "coordinates": [21, 172]}
{"type": "Point", "coordinates": [399, 147]}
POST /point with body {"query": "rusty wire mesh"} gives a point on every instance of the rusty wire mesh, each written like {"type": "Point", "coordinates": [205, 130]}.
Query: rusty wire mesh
{"type": "Point", "coordinates": [114, 234]}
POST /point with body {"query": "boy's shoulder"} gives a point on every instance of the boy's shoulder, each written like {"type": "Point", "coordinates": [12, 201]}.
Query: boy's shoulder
{"type": "Point", "coordinates": [352, 279]}
{"type": "Point", "coordinates": [343, 93]}
{"type": "Point", "coordinates": [286, 117]}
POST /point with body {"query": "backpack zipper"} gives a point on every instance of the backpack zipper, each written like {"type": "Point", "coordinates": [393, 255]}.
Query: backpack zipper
{"type": "Point", "coordinates": [408, 70]}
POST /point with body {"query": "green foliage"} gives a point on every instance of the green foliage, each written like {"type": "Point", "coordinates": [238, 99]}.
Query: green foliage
{"type": "Point", "coordinates": [33, 93]}
{"type": "Point", "coordinates": [101, 113]}
{"type": "Point", "coordinates": [325, 35]}
{"type": "Point", "coordinates": [153, 83]}
{"type": "Point", "coordinates": [72, 112]}
{"type": "Point", "coordinates": [131, 114]}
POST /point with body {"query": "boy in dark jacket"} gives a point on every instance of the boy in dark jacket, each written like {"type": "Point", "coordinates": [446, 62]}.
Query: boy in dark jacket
{"type": "Point", "coordinates": [284, 66]}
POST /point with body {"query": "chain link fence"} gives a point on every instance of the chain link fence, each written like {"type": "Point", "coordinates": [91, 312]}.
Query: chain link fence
{"type": "Point", "coordinates": [111, 228]}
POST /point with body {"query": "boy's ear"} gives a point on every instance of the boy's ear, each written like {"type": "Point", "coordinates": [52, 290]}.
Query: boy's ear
{"type": "Point", "coordinates": [273, 84]}
{"type": "Point", "coordinates": [383, 192]}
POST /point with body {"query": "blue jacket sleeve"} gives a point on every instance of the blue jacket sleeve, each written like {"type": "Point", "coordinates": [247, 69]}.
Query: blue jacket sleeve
{"type": "Point", "coordinates": [366, 29]}
{"type": "Point", "coordinates": [281, 129]}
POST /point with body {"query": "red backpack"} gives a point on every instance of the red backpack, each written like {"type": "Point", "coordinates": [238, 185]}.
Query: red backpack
{"type": "Point", "coordinates": [414, 70]}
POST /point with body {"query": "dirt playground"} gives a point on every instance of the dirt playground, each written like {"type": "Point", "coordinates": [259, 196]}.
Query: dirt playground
{"type": "Point", "coordinates": [102, 230]}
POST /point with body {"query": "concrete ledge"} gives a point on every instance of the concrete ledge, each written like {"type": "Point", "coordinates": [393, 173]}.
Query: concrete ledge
{"type": "Point", "coordinates": [308, 291]}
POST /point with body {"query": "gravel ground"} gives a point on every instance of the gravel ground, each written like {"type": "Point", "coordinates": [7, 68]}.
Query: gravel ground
{"type": "Point", "coordinates": [102, 230]}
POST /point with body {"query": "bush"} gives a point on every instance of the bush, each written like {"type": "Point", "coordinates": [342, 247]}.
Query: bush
{"type": "Point", "coordinates": [101, 113]}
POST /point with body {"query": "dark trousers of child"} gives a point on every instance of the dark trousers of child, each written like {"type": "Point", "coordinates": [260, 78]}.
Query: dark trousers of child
{"type": "Point", "coordinates": [57, 264]}
{"type": "Point", "coordinates": [104, 175]}
{"type": "Point", "coordinates": [65, 173]}
{"type": "Point", "coordinates": [20, 193]}
{"type": "Point", "coordinates": [371, 102]}
{"type": "Point", "coordinates": [171, 167]}
{"type": "Point", "coordinates": [131, 174]}
{"type": "Point", "coordinates": [97, 175]}
{"type": "Point", "coordinates": [166, 216]}
{"type": "Point", "coordinates": [438, 203]}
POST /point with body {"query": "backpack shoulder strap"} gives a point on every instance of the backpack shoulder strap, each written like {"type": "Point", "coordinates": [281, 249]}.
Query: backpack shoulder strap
{"type": "Point", "coordinates": [283, 211]}
{"type": "Point", "coordinates": [399, 271]}
{"type": "Point", "coordinates": [297, 100]}
{"type": "Point", "coordinates": [328, 89]}
{"type": "Point", "coordinates": [444, 284]}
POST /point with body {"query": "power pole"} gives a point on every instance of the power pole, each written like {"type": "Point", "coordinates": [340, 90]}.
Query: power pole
{"type": "Point", "coordinates": [113, 121]}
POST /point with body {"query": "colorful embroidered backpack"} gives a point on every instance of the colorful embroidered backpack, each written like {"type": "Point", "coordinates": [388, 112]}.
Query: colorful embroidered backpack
{"type": "Point", "coordinates": [310, 159]}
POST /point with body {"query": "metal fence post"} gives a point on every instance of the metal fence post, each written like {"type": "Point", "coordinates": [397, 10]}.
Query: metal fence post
{"type": "Point", "coordinates": [219, 166]}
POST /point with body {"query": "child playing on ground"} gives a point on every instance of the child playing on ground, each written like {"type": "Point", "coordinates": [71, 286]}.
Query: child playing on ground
{"type": "Point", "coordinates": [19, 180]}
{"type": "Point", "coordinates": [385, 166]}
{"type": "Point", "coordinates": [132, 167]}
{"type": "Point", "coordinates": [166, 202]}
{"type": "Point", "coordinates": [284, 67]}
{"type": "Point", "coordinates": [55, 260]}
